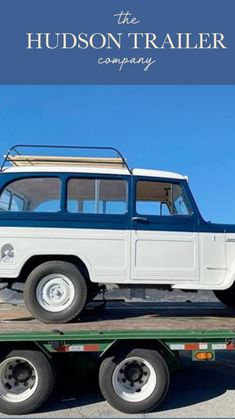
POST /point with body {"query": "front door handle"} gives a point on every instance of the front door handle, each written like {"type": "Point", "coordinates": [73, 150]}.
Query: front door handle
{"type": "Point", "coordinates": [140, 219]}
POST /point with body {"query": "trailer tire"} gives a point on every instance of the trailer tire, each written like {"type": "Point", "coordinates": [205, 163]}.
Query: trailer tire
{"type": "Point", "coordinates": [26, 381]}
{"type": "Point", "coordinates": [134, 382]}
{"type": "Point", "coordinates": [227, 296]}
{"type": "Point", "coordinates": [55, 292]}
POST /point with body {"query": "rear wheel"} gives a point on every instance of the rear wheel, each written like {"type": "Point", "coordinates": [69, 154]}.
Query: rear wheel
{"type": "Point", "coordinates": [135, 382]}
{"type": "Point", "coordinates": [55, 292]}
{"type": "Point", "coordinates": [26, 381]}
{"type": "Point", "coordinates": [227, 296]}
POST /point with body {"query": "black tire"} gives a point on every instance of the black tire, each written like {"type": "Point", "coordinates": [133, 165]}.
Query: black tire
{"type": "Point", "coordinates": [43, 386]}
{"type": "Point", "coordinates": [60, 268]}
{"type": "Point", "coordinates": [107, 371]}
{"type": "Point", "coordinates": [227, 296]}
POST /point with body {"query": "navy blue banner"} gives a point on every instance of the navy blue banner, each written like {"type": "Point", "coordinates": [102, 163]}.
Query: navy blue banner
{"type": "Point", "coordinates": [117, 42]}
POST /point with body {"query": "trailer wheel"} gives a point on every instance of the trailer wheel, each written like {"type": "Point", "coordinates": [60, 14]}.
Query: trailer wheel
{"type": "Point", "coordinates": [135, 382]}
{"type": "Point", "coordinates": [227, 296]}
{"type": "Point", "coordinates": [55, 292]}
{"type": "Point", "coordinates": [26, 381]}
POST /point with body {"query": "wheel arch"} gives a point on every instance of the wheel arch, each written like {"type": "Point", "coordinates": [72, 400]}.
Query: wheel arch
{"type": "Point", "coordinates": [125, 345]}
{"type": "Point", "coordinates": [229, 279]}
{"type": "Point", "coordinates": [36, 260]}
{"type": "Point", "coordinates": [8, 346]}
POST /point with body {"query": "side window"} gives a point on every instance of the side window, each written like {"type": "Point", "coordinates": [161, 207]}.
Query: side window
{"type": "Point", "coordinates": [5, 200]}
{"type": "Point", "coordinates": [97, 196]}
{"type": "Point", "coordinates": [31, 195]}
{"type": "Point", "coordinates": [160, 198]}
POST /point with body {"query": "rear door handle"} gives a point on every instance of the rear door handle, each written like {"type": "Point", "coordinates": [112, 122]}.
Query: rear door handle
{"type": "Point", "coordinates": [140, 219]}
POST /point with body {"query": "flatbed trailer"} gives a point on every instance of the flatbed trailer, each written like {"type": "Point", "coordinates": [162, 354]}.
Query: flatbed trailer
{"type": "Point", "coordinates": [136, 345]}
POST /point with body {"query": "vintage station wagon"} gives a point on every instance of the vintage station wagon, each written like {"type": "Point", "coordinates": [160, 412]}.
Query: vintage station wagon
{"type": "Point", "coordinates": [70, 225]}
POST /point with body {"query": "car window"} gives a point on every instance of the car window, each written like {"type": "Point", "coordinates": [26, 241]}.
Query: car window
{"type": "Point", "coordinates": [97, 196]}
{"type": "Point", "coordinates": [160, 198]}
{"type": "Point", "coordinates": [39, 194]}
{"type": "Point", "coordinates": [5, 200]}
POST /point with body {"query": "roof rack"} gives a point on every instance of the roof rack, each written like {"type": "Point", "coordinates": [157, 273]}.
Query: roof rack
{"type": "Point", "coordinates": [16, 158]}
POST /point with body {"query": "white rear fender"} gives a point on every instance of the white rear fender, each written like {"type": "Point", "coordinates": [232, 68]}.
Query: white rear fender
{"type": "Point", "coordinates": [9, 271]}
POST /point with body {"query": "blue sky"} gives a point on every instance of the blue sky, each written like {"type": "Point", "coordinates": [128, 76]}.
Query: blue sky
{"type": "Point", "coordinates": [187, 129]}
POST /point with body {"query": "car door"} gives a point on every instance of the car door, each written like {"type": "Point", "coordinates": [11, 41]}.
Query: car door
{"type": "Point", "coordinates": [164, 238]}
{"type": "Point", "coordinates": [98, 208]}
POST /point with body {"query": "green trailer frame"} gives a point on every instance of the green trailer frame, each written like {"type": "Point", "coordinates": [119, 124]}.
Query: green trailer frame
{"type": "Point", "coordinates": [76, 341]}
{"type": "Point", "coordinates": [134, 329]}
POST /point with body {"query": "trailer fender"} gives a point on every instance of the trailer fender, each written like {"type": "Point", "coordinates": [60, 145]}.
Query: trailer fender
{"type": "Point", "coordinates": [125, 345]}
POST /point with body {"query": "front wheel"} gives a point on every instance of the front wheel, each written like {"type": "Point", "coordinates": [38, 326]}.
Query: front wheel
{"type": "Point", "coordinates": [55, 292]}
{"type": "Point", "coordinates": [227, 296]}
{"type": "Point", "coordinates": [26, 381]}
{"type": "Point", "coordinates": [135, 382]}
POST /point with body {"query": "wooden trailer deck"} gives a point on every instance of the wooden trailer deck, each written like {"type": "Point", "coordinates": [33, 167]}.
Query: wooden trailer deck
{"type": "Point", "coordinates": [128, 316]}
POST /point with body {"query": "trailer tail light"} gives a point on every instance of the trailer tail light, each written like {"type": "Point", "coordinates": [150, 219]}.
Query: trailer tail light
{"type": "Point", "coordinates": [203, 356]}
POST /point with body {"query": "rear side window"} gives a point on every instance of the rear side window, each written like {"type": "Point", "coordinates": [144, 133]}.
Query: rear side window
{"type": "Point", "coordinates": [31, 195]}
{"type": "Point", "coordinates": [97, 196]}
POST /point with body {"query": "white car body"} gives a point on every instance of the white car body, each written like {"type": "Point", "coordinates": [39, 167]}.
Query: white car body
{"type": "Point", "coordinates": [180, 251]}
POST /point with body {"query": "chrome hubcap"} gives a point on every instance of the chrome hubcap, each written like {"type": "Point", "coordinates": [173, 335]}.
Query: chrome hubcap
{"type": "Point", "coordinates": [55, 292]}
